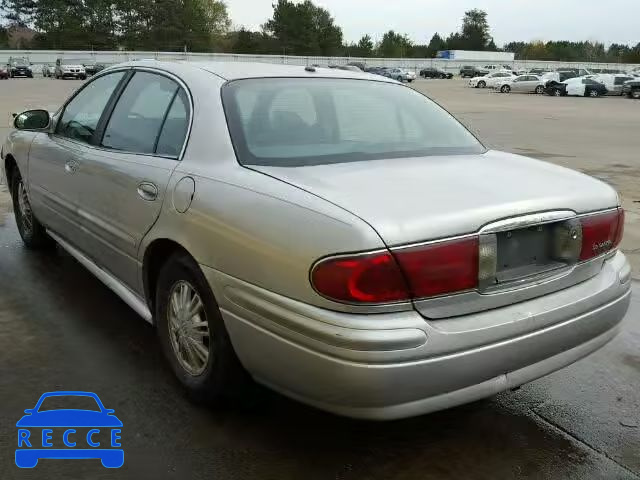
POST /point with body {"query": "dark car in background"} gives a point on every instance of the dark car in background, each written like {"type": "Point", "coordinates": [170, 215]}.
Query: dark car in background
{"type": "Point", "coordinates": [19, 67]}
{"type": "Point", "coordinates": [435, 72]}
{"type": "Point", "coordinates": [632, 89]}
{"type": "Point", "coordinates": [93, 68]}
{"type": "Point", "coordinates": [471, 72]}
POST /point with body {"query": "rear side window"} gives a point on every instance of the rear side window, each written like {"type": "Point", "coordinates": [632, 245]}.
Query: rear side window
{"type": "Point", "coordinates": [81, 115]}
{"type": "Point", "coordinates": [139, 115]}
{"type": "Point", "coordinates": [297, 122]}
{"type": "Point", "coordinates": [175, 127]}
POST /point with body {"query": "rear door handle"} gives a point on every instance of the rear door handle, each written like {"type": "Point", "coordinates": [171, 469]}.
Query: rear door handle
{"type": "Point", "coordinates": [147, 191]}
{"type": "Point", "coordinates": [71, 167]}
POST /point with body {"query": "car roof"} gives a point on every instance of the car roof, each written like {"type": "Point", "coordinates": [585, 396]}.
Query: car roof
{"type": "Point", "coordinates": [244, 70]}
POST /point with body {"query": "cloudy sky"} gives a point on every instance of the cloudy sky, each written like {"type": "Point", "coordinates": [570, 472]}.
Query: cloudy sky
{"type": "Point", "coordinates": [509, 19]}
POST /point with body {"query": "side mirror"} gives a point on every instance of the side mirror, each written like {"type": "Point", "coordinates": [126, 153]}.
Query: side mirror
{"type": "Point", "coordinates": [29, 411]}
{"type": "Point", "coordinates": [109, 411]}
{"type": "Point", "coordinates": [32, 120]}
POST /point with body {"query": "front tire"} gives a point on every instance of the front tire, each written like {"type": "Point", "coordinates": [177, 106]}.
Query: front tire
{"type": "Point", "coordinates": [635, 94]}
{"type": "Point", "coordinates": [32, 232]}
{"type": "Point", "coordinates": [192, 333]}
{"type": "Point", "coordinates": [505, 89]}
{"type": "Point", "coordinates": [482, 84]}
{"type": "Point", "coordinates": [539, 90]}
{"type": "Point", "coordinates": [593, 93]}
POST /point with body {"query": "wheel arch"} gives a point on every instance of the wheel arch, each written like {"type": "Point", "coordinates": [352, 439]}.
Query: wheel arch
{"type": "Point", "coordinates": [10, 167]}
{"type": "Point", "coordinates": [155, 256]}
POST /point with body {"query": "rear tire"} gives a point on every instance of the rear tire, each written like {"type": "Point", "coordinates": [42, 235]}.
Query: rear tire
{"type": "Point", "coordinates": [505, 89]}
{"type": "Point", "coordinates": [32, 232]}
{"type": "Point", "coordinates": [593, 93]}
{"type": "Point", "coordinates": [196, 345]}
{"type": "Point", "coordinates": [482, 84]}
{"type": "Point", "coordinates": [557, 93]}
{"type": "Point", "coordinates": [635, 94]}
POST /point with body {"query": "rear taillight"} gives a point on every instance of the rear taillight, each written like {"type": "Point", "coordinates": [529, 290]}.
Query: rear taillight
{"type": "Point", "coordinates": [406, 273]}
{"type": "Point", "coordinates": [366, 278]}
{"type": "Point", "coordinates": [601, 233]}
{"type": "Point", "coordinates": [450, 266]}
{"type": "Point", "coordinates": [438, 268]}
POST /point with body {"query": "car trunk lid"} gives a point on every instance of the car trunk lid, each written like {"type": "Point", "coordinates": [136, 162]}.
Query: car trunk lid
{"type": "Point", "coordinates": [520, 207]}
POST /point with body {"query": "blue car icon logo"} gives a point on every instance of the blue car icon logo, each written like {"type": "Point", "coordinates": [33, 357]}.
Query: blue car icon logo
{"type": "Point", "coordinates": [91, 432]}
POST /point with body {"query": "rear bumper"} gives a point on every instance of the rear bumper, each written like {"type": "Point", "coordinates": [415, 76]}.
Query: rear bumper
{"type": "Point", "coordinates": [396, 365]}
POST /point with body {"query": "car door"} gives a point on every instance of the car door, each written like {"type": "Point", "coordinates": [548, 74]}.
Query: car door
{"type": "Point", "coordinates": [56, 157]}
{"type": "Point", "coordinates": [517, 85]}
{"type": "Point", "coordinates": [123, 182]}
{"type": "Point", "coordinates": [576, 87]}
{"type": "Point", "coordinates": [528, 83]}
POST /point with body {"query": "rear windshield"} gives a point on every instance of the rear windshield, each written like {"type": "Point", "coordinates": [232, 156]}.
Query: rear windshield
{"type": "Point", "coordinates": [297, 122]}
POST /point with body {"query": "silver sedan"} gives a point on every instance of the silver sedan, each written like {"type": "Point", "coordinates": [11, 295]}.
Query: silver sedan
{"type": "Point", "coordinates": [334, 235]}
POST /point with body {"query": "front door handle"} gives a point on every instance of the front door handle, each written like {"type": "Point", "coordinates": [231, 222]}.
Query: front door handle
{"type": "Point", "coordinates": [147, 191]}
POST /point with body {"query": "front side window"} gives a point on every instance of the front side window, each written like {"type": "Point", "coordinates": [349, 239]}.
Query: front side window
{"type": "Point", "coordinates": [297, 122]}
{"type": "Point", "coordinates": [82, 114]}
{"type": "Point", "coordinates": [136, 120]}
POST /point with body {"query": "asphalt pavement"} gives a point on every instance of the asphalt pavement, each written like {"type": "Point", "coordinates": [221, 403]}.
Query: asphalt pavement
{"type": "Point", "coordinates": [61, 329]}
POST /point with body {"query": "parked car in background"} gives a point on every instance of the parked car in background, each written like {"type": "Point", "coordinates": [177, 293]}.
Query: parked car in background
{"type": "Point", "coordinates": [360, 65]}
{"type": "Point", "coordinates": [537, 71]}
{"type": "Point", "coordinates": [19, 67]}
{"type": "Point", "coordinates": [521, 84]}
{"type": "Point", "coordinates": [632, 89]}
{"type": "Point", "coordinates": [486, 69]}
{"type": "Point", "coordinates": [469, 71]}
{"type": "Point", "coordinates": [350, 68]}
{"type": "Point", "coordinates": [424, 270]}
{"type": "Point", "coordinates": [4, 73]}
{"type": "Point", "coordinates": [47, 71]}
{"type": "Point", "coordinates": [577, 87]}
{"type": "Point", "coordinates": [435, 72]}
{"type": "Point", "coordinates": [400, 74]}
{"type": "Point", "coordinates": [376, 71]}
{"type": "Point", "coordinates": [66, 68]}
{"type": "Point", "coordinates": [613, 81]}
{"type": "Point", "coordinates": [93, 68]}
{"type": "Point", "coordinates": [559, 76]}
{"type": "Point", "coordinates": [489, 80]}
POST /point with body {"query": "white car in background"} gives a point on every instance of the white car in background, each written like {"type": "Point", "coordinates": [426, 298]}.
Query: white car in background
{"type": "Point", "coordinates": [613, 81]}
{"type": "Point", "coordinates": [521, 84]}
{"type": "Point", "coordinates": [400, 74]}
{"type": "Point", "coordinates": [490, 80]}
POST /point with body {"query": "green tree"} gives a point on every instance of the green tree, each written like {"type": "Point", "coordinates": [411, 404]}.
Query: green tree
{"type": "Point", "coordinates": [365, 46]}
{"type": "Point", "coordinates": [436, 44]}
{"type": "Point", "coordinates": [4, 38]}
{"type": "Point", "coordinates": [17, 12]}
{"type": "Point", "coordinates": [394, 45]}
{"type": "Point", "coordinates": [304, 29]}
{"type": "Point", "coordinates": [475, 32]}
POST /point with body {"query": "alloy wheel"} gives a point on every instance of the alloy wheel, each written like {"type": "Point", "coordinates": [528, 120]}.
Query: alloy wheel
{"type": "Point", "coordinates": [189, 333]}
{"type": "Point", "coordinates": [26, 214]}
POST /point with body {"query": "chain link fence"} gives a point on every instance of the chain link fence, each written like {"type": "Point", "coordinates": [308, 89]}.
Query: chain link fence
{"type": "Point", "coordinates": [42, 57]}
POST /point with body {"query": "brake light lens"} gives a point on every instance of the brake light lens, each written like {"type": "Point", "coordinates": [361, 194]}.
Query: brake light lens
{"type": "Point", "coordinates": [440, 268]}
{"type": "Point", "coordinates": [366, 278]}
{"type": "Point", "coordinates": [401, 275]}
{"type": "Point", "coordinates": [601, 233]}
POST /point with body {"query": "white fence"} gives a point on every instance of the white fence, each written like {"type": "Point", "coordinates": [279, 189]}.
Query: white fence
{"type": "Point", "coordinates": [41, 57]}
